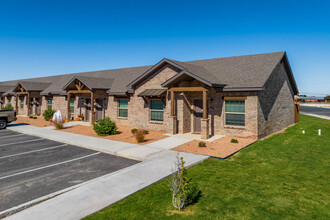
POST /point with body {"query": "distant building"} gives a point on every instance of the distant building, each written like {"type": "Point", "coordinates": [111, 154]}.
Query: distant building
{"type": "Point", "coordinates": [309, 99]}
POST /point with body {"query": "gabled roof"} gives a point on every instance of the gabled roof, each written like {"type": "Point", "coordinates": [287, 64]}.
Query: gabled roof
{"type": "Point", "coordinates": [249, 72]}
{"type": "Point", "coordinates": [5, 88]}
{"type": "Point", "coordinates": [91, 82]}
{"type": "Point", "coordinates": [32, 86]}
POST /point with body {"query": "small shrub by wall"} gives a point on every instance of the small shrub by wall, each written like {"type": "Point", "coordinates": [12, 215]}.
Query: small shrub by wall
{"type": "Point", "coordinates": [105, 127]}
{"type": "Point", "coordinates": [48, 114]}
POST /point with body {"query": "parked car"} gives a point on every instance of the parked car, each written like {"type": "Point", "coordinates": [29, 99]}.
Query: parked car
{"type": "Point", "coordinates": [6, 116]}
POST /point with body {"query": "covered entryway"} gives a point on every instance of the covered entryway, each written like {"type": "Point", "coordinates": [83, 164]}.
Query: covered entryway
{"type": "Point", "coordinates": [95, 87]}
{"type": "Point", "coordinates": [201, 120]}
{"type": "Point", "coordinates": [27, 94]}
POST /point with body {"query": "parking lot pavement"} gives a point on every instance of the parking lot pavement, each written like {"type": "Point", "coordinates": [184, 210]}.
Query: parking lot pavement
{"type": "Point", "coordinates": [33, 167]}
{"type": "Point", "coordinates": [315, 110]}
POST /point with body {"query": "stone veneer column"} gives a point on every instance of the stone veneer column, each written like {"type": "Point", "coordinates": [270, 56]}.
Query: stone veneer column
{"type": "Point", "coordinates": [205, 131]}
{"type": "Point", "coordinates": [173, 123]}
{"type": "Point", "coordinates": [92, 118]}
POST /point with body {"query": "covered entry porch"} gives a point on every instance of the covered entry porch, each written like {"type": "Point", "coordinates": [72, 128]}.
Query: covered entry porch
{"type": "Point", "coordinates": [194, 113]}
{"type": "Point", "coordinates": [86, 96]}
{"type": "Point", "coordinates": [28, 99]}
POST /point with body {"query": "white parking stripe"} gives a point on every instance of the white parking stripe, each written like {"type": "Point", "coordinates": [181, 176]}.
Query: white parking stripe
{"type": "Point", "coordinates": [12, 136]}
{"type": "Point", "coordinates": [21, 142]}
{"type": "Point", "coordinates": [52, 165]}
{"type": "Point", "coordinates": [28, 152]}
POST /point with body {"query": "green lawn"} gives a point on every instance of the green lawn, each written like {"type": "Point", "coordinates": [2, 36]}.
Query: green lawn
{"type": "Point", "coordinates": [286, 176]}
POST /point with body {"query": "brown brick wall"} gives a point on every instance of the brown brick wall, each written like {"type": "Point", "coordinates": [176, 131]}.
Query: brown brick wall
{"type": "Point", "coordinates": [265, 112]}
{"type": "Point", "coordinates": [138, 110]}
{"type": "Point", "coordinates": [276, 103]}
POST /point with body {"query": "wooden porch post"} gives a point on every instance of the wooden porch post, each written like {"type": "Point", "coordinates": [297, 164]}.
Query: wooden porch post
{"type": "Point", "coordinates": [28, 105]}
{"type": "Point", "coordinates": [16, 104]}
{"type": "Point", "coordinates": [92, 118]}
{"type": "Point", "coordinates": [172, 103]}
{"type": "Point", "coordinates": [204, 105]}
{"type": "Point", "coordinates": [68, 105]}
{"type": "Point", "coordinates": [205, 120]}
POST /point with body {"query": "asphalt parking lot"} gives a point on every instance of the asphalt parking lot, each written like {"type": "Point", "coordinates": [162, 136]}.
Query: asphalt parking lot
{"type": "Point", "coordinates": [315, 110]}
{"type": "Point", "coordinates": [32, 167]}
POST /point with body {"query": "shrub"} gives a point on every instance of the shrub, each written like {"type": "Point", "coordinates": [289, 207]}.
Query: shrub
{"type": "Point", "coordinates": [31, 117]}
{"type": "Point", "coordinates": [145, 132]}
{"type": "Point", "coordinates": [134, 130]}
{"type": "Point", "coordinates": [34, 117]}
{"type": "Point", "coordinates": [234, 141]}
{"type": "Point", "coordinates": [139, 136]}
{"type": "Point", "coordinates": [8, 107]}
{"type": "Point", "coordinates": [105, 127]}
{"type": "Point", "coordinates": [48, 114]}
{"type": "Point", "coordinates": [58, 125]}
{"type": "Point", "coordinates": [202, 144]}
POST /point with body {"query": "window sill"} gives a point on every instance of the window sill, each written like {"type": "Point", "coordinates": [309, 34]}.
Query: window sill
{"type": "Point", "coordinates": [156, 122]}
{"type": "Point", "coordinates": [122, 118]}
{"type": "Point", "coordinates": [234, 127]}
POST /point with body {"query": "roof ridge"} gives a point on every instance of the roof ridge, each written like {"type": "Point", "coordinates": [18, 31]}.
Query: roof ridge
{"type": "Point", "coordinates": [257, 54]}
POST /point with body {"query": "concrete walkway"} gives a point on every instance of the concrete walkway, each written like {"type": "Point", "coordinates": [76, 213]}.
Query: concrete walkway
{"type": "Point", "coordinates": [158, 163]}
{"type": "Point", "coordinates": [132, 151]}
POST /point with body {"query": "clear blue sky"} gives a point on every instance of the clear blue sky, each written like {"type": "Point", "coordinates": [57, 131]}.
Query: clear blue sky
{"type": "Point", "coordinates": [41, 38]}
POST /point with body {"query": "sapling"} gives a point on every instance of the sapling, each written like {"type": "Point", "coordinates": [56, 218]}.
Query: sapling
{"type": "Point", "coordinates": [179, 184]}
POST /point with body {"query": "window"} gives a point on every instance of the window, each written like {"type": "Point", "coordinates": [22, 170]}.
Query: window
{"type": "Point", "coordinates": [22, 102]}
{"type": "Point", "coordinates": [156, 110]}
{"type": "Point", "coordinates": [9, 100]}
{"type": "Point", "coordinates": [123, 108]}
{"type": "Point", "coordinates": [72, 104]}
{"type": "Point", "coordinates": [50, 103]}
{"type": "Point", "coordinates": [235, 112]}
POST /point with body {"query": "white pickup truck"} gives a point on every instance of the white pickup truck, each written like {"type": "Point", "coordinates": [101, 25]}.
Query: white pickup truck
{"type": "Point", "coordinates": [6, 116]}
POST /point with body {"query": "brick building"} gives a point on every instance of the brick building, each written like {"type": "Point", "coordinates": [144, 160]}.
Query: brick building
{"type": "Point", "coordinates": [247, 96]}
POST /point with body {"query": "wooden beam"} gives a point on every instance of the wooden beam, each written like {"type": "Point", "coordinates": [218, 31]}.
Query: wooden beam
{"type": "Point", "coordinates": [235, 98]}
{"type": "Point", "coordinates": [92, 102]}
{"type": "Point", "coordinates": [188, 89]}
{"type": "Point", "coordinates": [76, 91]}
{"type": "Point", "coordinates": [68, 106]}
{"type": "Point", "coordinates": [28, 104]}
{"type": "Point", "coordinates": [163, 100]}
{"type": "Point", "coordinates": [172, 103]}
{"type": "Point", "coordinates": [16, 104]}
{"type": "Point", "coordinates": [22, 93]}
{"type": "Point", "coordinates": [145, 100]}
{"type": "Point", "coordinates": [204, 105]}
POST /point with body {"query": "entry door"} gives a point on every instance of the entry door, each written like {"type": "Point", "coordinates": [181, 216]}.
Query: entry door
{"type": "Point", "coordinates": [99, 108]}
{"type": "Point", "coordinates": [38, 106]}
{"type": "Point", "coordinates": [88, 109]}
{"type": "Point", "coordinates": [198, 113]}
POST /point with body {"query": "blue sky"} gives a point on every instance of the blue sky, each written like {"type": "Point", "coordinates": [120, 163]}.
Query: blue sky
{"type": "Point", "coordinates": [41, 38]}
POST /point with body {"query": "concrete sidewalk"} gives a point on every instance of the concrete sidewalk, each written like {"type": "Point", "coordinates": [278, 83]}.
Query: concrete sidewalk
{"type": "Point", "coordinates": [95, 196]}
{"type": "Point", "coordinates": [132, 151]}
{"type": "Point", "coordinates": [158, 163]}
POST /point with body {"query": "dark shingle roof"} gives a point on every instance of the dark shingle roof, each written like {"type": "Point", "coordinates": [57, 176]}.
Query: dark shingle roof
{"type": "Point", "coordinates": [33, 86]}
{"type": "Point", "coordinates": [92, 82]}
{"type": "Point", "coordinates": [249, 71]}
{"type": "Point", "coordinates": [5, 88]}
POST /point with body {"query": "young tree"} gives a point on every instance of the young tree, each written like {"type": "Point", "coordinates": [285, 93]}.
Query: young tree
{"type": "Point", "coordinates": [179, 184]}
